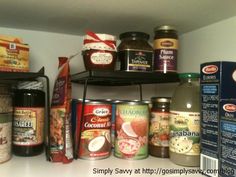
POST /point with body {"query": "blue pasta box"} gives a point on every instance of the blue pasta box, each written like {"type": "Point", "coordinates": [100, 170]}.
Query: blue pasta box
{"type": "Point", "coordinates": [218, 82]}
{"type": "Point", "coordinates": [227, 133]}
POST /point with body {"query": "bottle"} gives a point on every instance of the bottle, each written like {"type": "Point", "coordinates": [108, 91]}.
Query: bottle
{"type": "Point", "coordinates": [165, 49]}
{"type": "Point", "coordinates": [159, 127]}
{"type": "Point", "coordinates": [134, 52]}
{"type": "Point", "coordinates": [28, 119]}
{"type": "Point", "coordinates": [184, 145]}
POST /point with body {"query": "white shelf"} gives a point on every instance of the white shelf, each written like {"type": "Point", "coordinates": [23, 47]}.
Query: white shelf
{"type": "Point", "coordinates": [39, 167]}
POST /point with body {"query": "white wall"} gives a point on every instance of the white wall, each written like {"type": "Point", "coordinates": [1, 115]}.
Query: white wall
{"type": "Point", "coordinates": [212, 43]}
{"type": "Point", "coordinates": [45, 48]}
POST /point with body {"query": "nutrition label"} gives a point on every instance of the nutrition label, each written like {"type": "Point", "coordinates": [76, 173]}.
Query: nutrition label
{"type": "Point", "coordinates": [210, 100]}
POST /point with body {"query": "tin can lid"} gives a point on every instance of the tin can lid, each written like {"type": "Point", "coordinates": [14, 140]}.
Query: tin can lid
{"type": "Point", "coordinates": [31, 85]}
{"type": "Point", "coordinates": [134, 34]}
{"type": "Point", "coordinates": [165, 27]}
{"type": "Point", "coordinates": [161, 99]}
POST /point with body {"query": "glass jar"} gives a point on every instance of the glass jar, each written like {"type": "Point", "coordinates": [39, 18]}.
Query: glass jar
{"type": "Point", "coordinates": [184, 145]}
{"type": "Point", "coordinates": [28, 119]}
{"type": "Point", "coordinates": [134, 52]}
{"type": "Point", "coordinates": [99, 51]}
{"type": "Point", "coordinates": [159, 127]}
{"type": "Point", "coordinates": [165, 49]}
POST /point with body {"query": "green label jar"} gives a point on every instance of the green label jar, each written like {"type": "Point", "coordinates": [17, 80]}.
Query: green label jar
{"type": "Point", "coordinates": [184, 145]}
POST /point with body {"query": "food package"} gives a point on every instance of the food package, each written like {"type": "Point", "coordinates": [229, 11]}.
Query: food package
{"type": "Point", "coordinates": [61, 147]}
{"type": "Point", "coordinates": [14, 54]}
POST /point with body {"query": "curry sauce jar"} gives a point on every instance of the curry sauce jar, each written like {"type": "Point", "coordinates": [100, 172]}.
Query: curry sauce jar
{"type": "Point", "coordinates": [165, 49]}
{"type": "Point", "coordinates": [134, 52]}
{"type": "Point", "coordinates": [132, 123]}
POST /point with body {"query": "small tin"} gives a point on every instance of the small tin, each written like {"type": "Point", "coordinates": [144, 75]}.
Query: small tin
{"type": "Point", "coordinates": [95, 130]}
{"type": "Point", "coordinates": [132, 120]}
{"type": "Point", "coordinates": [5, 136]}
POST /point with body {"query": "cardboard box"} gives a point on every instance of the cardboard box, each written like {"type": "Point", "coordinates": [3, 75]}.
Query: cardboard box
{"type": "Point", "coordinates": [218, 82]}
{"type": "Point", "coordinates": [14, 55]}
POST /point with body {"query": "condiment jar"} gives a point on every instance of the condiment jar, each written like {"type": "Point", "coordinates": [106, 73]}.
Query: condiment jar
{"type": "Point", "coordinates": [165, 49]}
{"type": "Point", "coordinates": [184, 145]}
{"type": "Point", "coordinates": [28, 119]}
{"type": "Point", "coordinates": [99, 51]}
{"type": "Point", "coordinates": [134, 52]}
{"type": "Point", "coordinates": [159, 127]}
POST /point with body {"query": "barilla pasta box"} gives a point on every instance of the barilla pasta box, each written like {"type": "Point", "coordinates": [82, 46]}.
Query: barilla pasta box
{"type": "Point", "coordinates": [14, 54]}
{"type": "Point", "coordinates": [227, 134]}
{"type": "Point", "coordinates": [218, 82]}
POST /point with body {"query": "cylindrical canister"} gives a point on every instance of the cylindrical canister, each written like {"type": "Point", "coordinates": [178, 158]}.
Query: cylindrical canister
{"type": "Point", "coordinates": [132, 119]}
{"type": "Point", "coordinates": [165, 49]}
{"type": "Point", "coordinates": [28, 120]}
{"type": "Point", "coordinates": [5, 123]}
{"type": "Point", "coordinates": [95, 130]}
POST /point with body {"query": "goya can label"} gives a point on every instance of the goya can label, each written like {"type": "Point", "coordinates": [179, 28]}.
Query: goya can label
{"type": "Point", "coordinates": [95, 140]}
{"type": "Point", "coordinates": [132, 130]}
{"type": "Point", "coordinates": [5, 137]}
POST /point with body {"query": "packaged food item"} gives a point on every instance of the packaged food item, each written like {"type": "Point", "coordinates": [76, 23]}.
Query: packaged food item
{"type": "Point", "coordinates": [159, 127]}
{"type": "Point", "coordinates": [134, 52]}
{"type": "Point", "coordinates": [14, 54]}
{"type": "Point", "coordinates": [94, 129]}
{"type": "Point", "coordinates": [61, 146]}
{"type": "Point", "coordinates": [184, 144]}
{"type": "Point", "coordinates": [165, 49]}
{"type": "Point", "coordinates": [132, 124]}
{"type": "Point", "coordinates": [218, 85]}
{"type": "Point", "coordinates": [99, 51]}
{"type": "Point", "coordinates": [5, 123]}
{"type": "Point", "coordinates": [28, 119]}
{"type": "Point", "coordinates": [5, 137]}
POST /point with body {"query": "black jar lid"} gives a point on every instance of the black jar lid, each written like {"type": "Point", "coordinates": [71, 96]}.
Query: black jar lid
{"type": "Point", "coordinates": [134, 35]}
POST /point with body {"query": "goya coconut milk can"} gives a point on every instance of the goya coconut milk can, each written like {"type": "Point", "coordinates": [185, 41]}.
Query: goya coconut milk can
{"type": "Point", "coordinates": [132, 130]}
{"type": "Point", "coordinates": [95, 130]}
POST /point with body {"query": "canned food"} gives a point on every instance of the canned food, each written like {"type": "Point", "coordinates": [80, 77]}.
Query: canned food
{"type": "Point", "coordinates": [132, 119]}
{"type": "Point", "coordinates": [95, 132]}
{"type": "Point", "coordinates": [5, 137]}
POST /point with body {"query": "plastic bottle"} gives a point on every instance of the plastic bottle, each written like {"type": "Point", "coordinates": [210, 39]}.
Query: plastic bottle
{"type": "Point", "coordinates": [184, 147]}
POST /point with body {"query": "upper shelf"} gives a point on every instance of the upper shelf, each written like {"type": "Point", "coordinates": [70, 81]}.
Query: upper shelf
{"type": "Point", "coordinates": [8, 77]}
{"type": "Point", "coordinates": [122, 78]}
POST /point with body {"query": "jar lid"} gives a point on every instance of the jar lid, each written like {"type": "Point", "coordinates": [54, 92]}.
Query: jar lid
{"type": "Point", "coordinates": [165, 27]}
{"type": "Point", "coordinates": [134, 34]}
{"type": "Point", "coordinates": [99, 41]}
{"type": "Point", "coordinates": [30, 85]}
{"type": "Point", "coordinates": [189, 75]}
{"type": "Point", "coordinates": [161, 99]}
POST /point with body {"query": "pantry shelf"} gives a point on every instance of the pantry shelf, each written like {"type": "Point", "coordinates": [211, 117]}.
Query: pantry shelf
{"type": "Point", "coordinates": [122, 78]}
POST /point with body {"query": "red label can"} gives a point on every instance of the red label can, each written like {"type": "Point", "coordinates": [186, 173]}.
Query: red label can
{"type": "Point", "coordinates": [94, 129]}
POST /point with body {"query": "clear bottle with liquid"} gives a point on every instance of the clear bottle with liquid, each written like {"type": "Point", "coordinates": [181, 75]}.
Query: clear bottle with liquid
{"type": "Point", "coordinates": [184, 144]}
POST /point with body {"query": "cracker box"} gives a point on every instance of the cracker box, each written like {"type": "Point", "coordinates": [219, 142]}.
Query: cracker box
{"type": "Point", "coordinates": [14, 54]}
{"type": "Point", "coordinates": [218, 82]}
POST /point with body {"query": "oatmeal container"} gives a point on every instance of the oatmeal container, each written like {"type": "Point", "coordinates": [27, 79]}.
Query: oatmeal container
{"type": "Point", "coordinates": [132, 120]}
{"type": "Point", "coordinates": [95, 130]}
{"type": "Point", "coordinates": [5, 123]}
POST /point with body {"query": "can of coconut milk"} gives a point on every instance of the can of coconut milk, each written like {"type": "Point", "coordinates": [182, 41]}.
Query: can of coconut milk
{"type": "Point", "coordinates": [94, 128]}
{"type": "Point", "coordinates": [132, 122]}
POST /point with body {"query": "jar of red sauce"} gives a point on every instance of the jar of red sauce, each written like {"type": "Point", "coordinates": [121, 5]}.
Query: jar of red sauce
{"type": "Point", "coordinates": [99, 51]}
